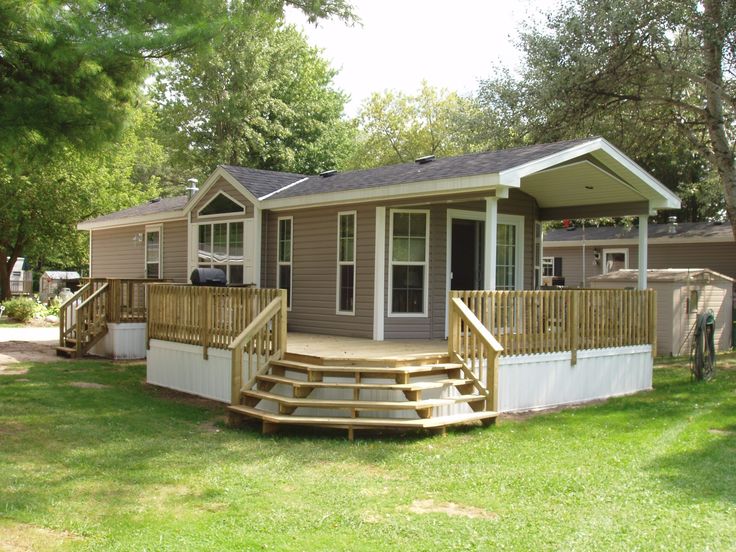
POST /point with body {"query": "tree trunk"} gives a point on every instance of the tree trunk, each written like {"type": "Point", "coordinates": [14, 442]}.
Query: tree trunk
{"type": "Point", "coordinates": [6, 267]}
{"type": "Point", "coordinates": [713, 44]}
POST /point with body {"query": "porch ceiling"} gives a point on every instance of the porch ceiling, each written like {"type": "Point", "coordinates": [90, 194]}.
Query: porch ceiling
{"type": "Point", "coordinates": [579, 183]}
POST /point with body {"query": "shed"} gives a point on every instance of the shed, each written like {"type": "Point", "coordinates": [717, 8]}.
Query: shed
{"type": "Point", "coordinates": [53, 281]}
{"type": "Point", "coordinates": [682, 294]}
{"type": "Point", "coordinates": [21, 279]}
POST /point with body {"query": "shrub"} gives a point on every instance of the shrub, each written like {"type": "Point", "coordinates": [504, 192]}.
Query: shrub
{"type": "Point", "coordinates": [54, 307]}
{"type": "Point", "coordinates": [20, 308]}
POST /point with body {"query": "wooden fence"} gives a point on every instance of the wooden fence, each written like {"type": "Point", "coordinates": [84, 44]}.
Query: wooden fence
{"type": "Point", "coordinates": [528, 322]}
{"type": "Point", "coordinates": [204, 316]}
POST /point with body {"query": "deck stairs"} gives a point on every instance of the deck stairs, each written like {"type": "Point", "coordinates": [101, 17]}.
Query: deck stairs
{"type": "Point", "coordinates": [409, 392]}
{"type": "Point", "coordinates": [83, 321]}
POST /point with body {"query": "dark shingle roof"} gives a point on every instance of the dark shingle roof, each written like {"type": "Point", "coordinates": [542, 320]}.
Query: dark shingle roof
{"type": "Point", "coordinates": [445, 167]}
{"type": "Point", "coordinates": [163, 205]}
{"type": "Point", "coordinates": [701, 230]}
{"type": "Point", "coordinates": [260, 182]}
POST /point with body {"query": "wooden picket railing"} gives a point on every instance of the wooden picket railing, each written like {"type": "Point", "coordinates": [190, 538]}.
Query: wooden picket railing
{"type": "Point", "coordinates": [471, 345]}
{"type": "Point", "coordinates": [529, 322]}
{"type": "Point", "coordinates": [210, 317]}
{"type": "Point", "coordinates": [262, 341]}
{"type": "Point", "coordinates": [68, 311]}
{"type": "Point", "coordinates": [91, 320]}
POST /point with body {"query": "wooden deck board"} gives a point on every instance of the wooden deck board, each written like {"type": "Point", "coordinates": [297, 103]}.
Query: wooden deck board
{"type": "Point", "coordinates": [329, 346]}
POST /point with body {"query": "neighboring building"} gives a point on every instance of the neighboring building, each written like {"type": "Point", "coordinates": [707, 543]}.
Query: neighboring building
{"type": "Point", "coordinates": [576, 255]}
{"type": "Point", "coordinates": [373, 253]}
{"type": "Point", "coordinates": [53, 281]}
{"type": "Point", "coordinates": [21, 280]}
{"type": "Point", "coordinates": [682, 294]}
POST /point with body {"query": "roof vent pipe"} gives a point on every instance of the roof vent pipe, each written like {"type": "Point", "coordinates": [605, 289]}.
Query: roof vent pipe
{"type": "Point", "coordinates": [192, 188]}
{"type": "Point", "coordinates": [425, 159]}
{"type": "Point", "coordinates": [672, 224]}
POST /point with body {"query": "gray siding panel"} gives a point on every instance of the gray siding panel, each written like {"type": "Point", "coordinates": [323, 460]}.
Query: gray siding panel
{"type": "Point", "coordinates": [116, 255]}
{"type": "Point", "coordinates": [314, 270]}
{"type": "Point", "coordinates": [175, 251]}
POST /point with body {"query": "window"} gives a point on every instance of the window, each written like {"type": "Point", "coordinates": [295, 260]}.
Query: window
{"type": "Point", "coordinates": [693, 301]}
{"type": "Point", "coordinates": [221, 204]}
{"type": "Point", "coordinates": [346, 223]}
{"type": "Point", "coordinates": [285, 249]}
{"type": "Point", "coordinates": [409, 252]}
{"type": "Point", "coordinates": [153, 252]}
{"type": "Point", "coordinates": [537, 254]}
{"type": "Point", "coordinates": [548, 266]}
{"type": "Point", "coordinates": [506, 257]}
{"type": "Point", "coordinates": [220, 245]}
{"type": "Point", "coordinates": [615, 259]}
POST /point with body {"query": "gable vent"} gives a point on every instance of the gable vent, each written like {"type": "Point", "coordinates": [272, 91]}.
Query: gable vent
{"type": "Point", "coordinates": [325, 174]}
{"type": "Point", "coordinates": [424, 160]}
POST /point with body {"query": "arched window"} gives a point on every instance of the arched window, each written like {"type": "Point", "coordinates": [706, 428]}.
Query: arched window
{"type": "Point", "coordinates": [221, 204]}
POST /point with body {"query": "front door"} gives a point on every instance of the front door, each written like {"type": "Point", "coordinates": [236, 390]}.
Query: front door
{"type": "Point", "coordinates": [466, 265]}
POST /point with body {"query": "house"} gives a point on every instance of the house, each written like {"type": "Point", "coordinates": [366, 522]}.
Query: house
{"type": "Point", "coordinates": [577, 254]}
{"type": "Point", "coordinates": [386, 254]}
{"type": "Point", "coordinates": [682, 294]}
{"type": "Point", "coordinates": [53, 281]}
{"type": "Point", "coordinates": [21, 279]}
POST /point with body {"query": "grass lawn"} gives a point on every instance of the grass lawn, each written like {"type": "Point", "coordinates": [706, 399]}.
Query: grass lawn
{"type": "Point", "coordinates": [128, 467]}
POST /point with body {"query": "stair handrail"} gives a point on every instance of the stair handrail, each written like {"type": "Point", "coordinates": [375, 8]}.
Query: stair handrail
{"type": "Point", "coordinates": [264, 339]}
{"type": "Point", "coordinates": [63, 330]}
{"type": "Point", "coordinates": [97, 308]}
{"type": "Point", "coordinates": [471, 345]}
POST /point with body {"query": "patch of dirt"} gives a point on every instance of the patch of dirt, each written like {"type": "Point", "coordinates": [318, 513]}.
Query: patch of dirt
{"type": "Point", "coordinates": [88, 385]}
{"type": "Point", "coordinates": [11, 427]}
{"type": "Point", "coordinates": [23, 537]}
{"type": "Point", "coordinates": [13, 352]}
{"type": "Point", "coordinates": [213, 426]}
{"type": "Point", "coordinates": [725, 432]}
{"type": "Point", "coordinates": [451, 509]}
{"type": "Point", "coordinates": [186, 398]}
{"type": "Point", "coordinates": [7, 371]}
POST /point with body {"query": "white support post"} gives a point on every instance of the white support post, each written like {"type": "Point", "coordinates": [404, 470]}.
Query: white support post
{"type": "Point", "coordinates": [379, 274]}
{"type": "Point", "coordinates": [491, 237]}
{"type": "Point", "coordinates": [643, 238]}
{"type": "Point", "coordinates": [257, 229]}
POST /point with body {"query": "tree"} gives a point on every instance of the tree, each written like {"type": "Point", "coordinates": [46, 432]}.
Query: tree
{"type": "Point", "coordinates": [663, 72]}
{"type": "Point", "coordinates": [41, 208]}
{"type": "Point", "coordinates": [259, 97]}
{"type": "Point", "coordinates": [397, 128]}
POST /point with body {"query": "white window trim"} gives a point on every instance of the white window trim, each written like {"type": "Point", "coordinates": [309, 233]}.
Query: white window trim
{"type": "Point", "coordinates": [548, 261]}
{"type": "Point", "coordinates": [425, 264]}
{"type": "Point", "coordinates": [518, 222]}
{"type": "Point", "coordinates": [150, 229]}
{"type": "Point", "coordinates": [605, 252]}
{"type": "Point", "coordinates": [291, 259]}
{"type": "Point", "coordinates": [218, 215]}
{"type": "Point", "coordinates": [340, 263]}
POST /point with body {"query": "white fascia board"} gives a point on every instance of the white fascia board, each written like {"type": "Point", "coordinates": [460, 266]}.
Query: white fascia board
{"type": "Point", "coordinates": [665, 198]}
{"type": "Point", "coordinates": [218, 173]}
{"type": "Point", "coordinates": [132, 221]}
{"type": "Point", "coordinates": [633, 241]}
{"type": "Point", "coordinates": [393, 191]}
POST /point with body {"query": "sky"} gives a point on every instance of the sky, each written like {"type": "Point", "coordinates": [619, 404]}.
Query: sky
{"type": "Point", "coordinates": [450, 43]}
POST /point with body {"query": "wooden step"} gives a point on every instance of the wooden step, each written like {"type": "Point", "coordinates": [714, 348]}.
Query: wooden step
{"type": "Point", "coordinates": [359, 404]}
{"type": "Point", "coordinates": [369, 423]}
{"type": "Point", "coordinates": [384, 362]}
{"type": "Point", "coordinates": [366, 371]}
{"type": "Point", "coordinates": [68, 352]}
{"type": "Point", "coordinates": [415, 386]}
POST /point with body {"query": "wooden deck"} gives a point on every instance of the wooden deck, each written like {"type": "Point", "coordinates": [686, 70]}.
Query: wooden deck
{"type": "Point", "coordinates": [330, 346]}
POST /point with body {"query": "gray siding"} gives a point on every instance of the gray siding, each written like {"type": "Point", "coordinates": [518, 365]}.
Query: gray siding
{"type": "Point", "coordinates": [221, 185]}
{"type": "Point", "coordinates": [175, 251]}
{"type": "Point", "coordinates": [314, 270]}
{"type": "Point", "coordinates": [116, 255]}
{"type": "Point", "coordinates": [718, 256]}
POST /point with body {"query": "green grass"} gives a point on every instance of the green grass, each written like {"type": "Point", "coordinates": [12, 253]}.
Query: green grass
{"type": "Point", "coordinates": [128, 467]}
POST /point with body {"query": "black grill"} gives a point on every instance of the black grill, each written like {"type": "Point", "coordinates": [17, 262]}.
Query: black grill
{"type": "Point", "coordinates": [208, 277]}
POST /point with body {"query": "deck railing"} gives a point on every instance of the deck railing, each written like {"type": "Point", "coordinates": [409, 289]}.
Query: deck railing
{"type": "Point", "coordinates": [529, 322]}
{"type": "Point", "coordinates": [126, 298]}
{"type": "Point", "coordinates": [210, 317]}
{"type": "Point", "coordinates": [262, 341]}
{"type": "Point", "coordinates": [471, 345]}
